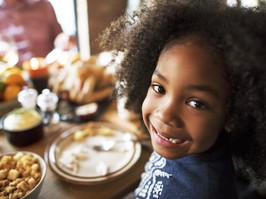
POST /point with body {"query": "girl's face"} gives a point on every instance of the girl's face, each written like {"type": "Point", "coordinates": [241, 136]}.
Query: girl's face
{"type": "Point", "coordinates": [184, 109]}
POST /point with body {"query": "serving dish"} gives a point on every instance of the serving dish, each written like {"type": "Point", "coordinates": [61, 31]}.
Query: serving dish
{"type": "Point", "coordinates": [74, 159]}
{"type": "Point", "coordinates": [70, 111]}
{"type": "Point", "coordinates": [22, 136]}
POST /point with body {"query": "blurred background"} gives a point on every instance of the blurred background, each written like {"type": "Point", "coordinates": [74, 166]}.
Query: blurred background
{"type": "Point", "coordinates": [87, 18]}
{"type": "Point", "coordinates": [52, 44]}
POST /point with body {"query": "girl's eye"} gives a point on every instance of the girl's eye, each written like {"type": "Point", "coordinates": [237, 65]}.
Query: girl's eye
{"type": "Point", "coordinates": [158, 89]}
{"type": "Point", "coordinates": [197, 104]}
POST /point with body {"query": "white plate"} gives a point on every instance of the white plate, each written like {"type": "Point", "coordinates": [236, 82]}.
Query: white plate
{"type": "Point", "coordinates": [77, 162]}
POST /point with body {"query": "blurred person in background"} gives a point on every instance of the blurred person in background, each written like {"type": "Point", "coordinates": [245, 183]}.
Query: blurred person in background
{"type": "Point", "coordinates": [33, 27]}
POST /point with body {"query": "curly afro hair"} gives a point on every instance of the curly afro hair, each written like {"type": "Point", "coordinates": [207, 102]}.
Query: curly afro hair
{"type": "Point", "coordinates": [237, 36]}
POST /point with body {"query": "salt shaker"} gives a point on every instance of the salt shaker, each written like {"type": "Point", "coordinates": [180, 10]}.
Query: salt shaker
{"type": "Point", "coordinates": [47, 101]}
{"type": "Point", "coordinates": [28, 97]}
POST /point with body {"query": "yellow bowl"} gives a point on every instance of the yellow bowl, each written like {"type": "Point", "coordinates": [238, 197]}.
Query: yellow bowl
{"type": "Point", "coordinates": [25, 136]}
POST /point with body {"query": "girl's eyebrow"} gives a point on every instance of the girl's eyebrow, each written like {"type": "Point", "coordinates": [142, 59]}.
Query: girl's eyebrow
{"type": "Point", "coordinates": [193, 87]}
{"type": "Point", "coordinates": [158, 74]}
{"type": "Point", "coordinates": [204, 88]}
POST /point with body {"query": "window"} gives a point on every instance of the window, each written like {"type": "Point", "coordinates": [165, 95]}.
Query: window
{"type": "Point", "coordinates": [244, 3]}
{"type": "Point", "coordinates": [65, 16]}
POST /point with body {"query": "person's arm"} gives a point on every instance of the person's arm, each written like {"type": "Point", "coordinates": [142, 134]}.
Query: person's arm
{"type": "Point", "coordinates": [55, 27]}
{"type": "Point", "coordinates": [61, 40]}
{"type": "Point", "coordinates": [65, 42]}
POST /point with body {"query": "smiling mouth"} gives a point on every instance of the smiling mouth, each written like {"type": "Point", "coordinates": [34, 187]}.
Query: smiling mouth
{"type": "Point", "coordinates": [172, 140]}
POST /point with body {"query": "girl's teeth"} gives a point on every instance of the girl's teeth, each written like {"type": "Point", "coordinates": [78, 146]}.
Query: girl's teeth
{"type": "Point", "coordinates": [173, 140]}
{"type": "Point", "coordinates": [163, 137]}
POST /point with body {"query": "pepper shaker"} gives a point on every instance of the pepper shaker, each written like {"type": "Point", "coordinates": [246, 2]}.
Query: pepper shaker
{"type": "Point", "coordinates": [47, 101]}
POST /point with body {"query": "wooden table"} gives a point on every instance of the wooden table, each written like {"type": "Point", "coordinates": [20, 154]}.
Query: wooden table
{"type": "Point", "coordinates": [54, 187]}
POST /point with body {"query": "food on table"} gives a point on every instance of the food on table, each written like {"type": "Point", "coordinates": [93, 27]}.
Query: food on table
{"type": "Point", "coordinates": [71, 158]}
{"type": "Point", "coordinates": [19, 174]}
{"type": "Point", "coordinates": [80, 135]}
{"type": "Point", "coordinates": [102, 168]}
{"type": "Point", "coordinates": [76, 155]}
{"type": "Point", "coordinates": [2, 87]}
{"type": "Point", "coordinates": [11, 83]}
{"type": "Point", "coordinates": [11, 92]}
{"type": "Point", "coordinates": [86, 112]}
{"type": "Point", "coordinates": [84, 81]}
{"type": "Point", "coordinates": [21, 119]}
{"type": "Point", "coordinates": [105, 131]}
{"type": "Point", "coordinates": [92, 130]}
{"type": "Point", "coordinates": [12, 77]}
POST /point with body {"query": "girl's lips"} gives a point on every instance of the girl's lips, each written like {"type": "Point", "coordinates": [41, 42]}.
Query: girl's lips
{"type": "Point", "coordinates": [168, 141]}
{"type": "Point", "coordinates": [173, 140]}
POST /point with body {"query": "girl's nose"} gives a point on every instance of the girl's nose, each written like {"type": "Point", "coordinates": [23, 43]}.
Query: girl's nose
{"type": "Point", "coordinates": [170, 113]}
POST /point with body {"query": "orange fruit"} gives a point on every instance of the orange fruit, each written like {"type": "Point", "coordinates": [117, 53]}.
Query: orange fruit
{"type": "Point", "coordinates": [14, 78]}
{"type": "Point", "coordinates": [11, 91]}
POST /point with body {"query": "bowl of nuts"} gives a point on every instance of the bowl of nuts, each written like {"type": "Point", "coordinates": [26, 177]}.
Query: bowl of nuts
{"type": "Point", "coordinates": [21, 175]}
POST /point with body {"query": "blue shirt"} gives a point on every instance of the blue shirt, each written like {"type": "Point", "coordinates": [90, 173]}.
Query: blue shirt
{"type": "Point", "coordinates": [209, 175]}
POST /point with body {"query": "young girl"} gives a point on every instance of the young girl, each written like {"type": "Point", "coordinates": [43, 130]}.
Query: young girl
{"type": "Point", "coordinates": [195, 70]}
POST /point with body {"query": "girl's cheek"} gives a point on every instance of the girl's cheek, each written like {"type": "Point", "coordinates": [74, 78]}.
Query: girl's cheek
{"type": "Point", "coordinates": [147, 103]}
{"type": "Point", "coordinates": [146, 109]}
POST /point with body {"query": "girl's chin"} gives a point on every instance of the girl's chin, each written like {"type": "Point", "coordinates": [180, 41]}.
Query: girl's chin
{"type": "Point", "coordinates": [168, 154]}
